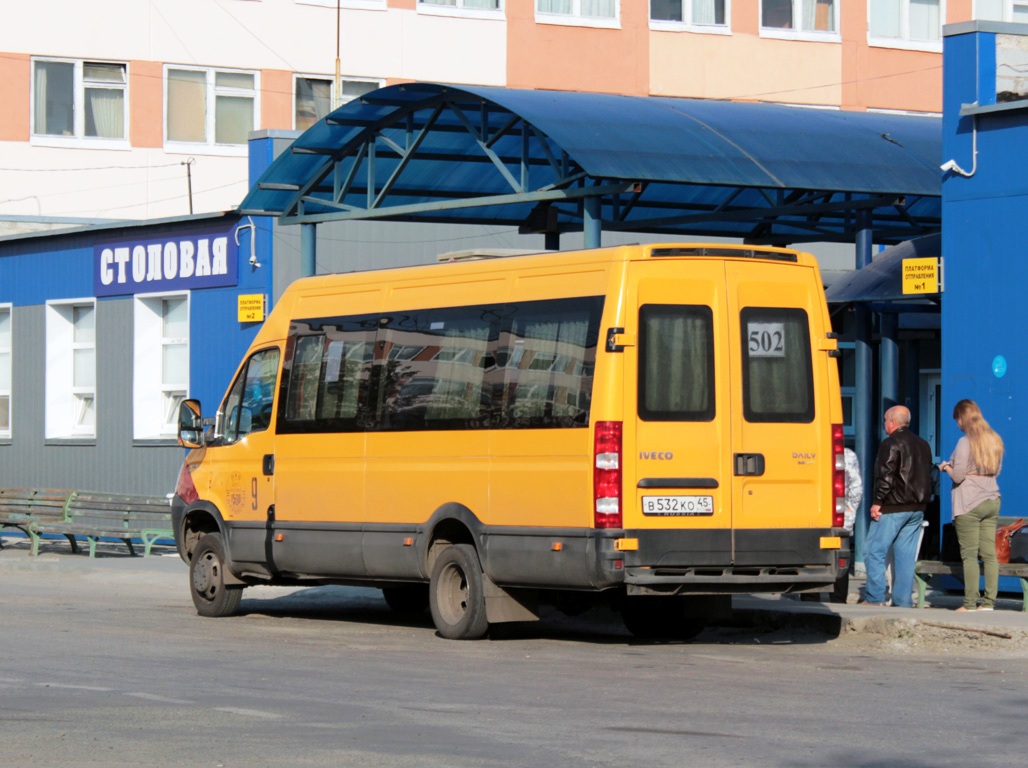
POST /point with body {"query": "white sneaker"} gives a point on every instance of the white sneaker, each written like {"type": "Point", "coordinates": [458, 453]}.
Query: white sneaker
{"type": "Point", "coordinates": [984, 608]}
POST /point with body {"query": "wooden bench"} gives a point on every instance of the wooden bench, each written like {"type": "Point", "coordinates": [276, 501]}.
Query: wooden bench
{"type": "Point", "coordinates": [26, 508]}
{"type": "Point", "coordinates": [97, 516]}
{"type": "Point", "coordinates": [934, 567]}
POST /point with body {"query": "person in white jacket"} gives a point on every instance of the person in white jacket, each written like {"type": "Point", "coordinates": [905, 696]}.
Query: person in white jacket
{"type": "Point", "coordinates": [854, 494]}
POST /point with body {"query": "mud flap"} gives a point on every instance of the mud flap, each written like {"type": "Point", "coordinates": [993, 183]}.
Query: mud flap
{"type": "Point", "coordinates": [503, 605]}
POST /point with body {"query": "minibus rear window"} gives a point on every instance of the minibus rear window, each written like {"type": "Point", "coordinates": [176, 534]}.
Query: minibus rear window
{"type": "Point", "coordinates": [676, 363]}
{"type": "Point", "coordinates": [777, 378]}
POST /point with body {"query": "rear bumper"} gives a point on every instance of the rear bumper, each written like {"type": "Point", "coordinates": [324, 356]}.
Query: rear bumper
{"type": "Point", "coordinates": [727, 561]}
{"type": "Point", "coordinates": [665, 562]}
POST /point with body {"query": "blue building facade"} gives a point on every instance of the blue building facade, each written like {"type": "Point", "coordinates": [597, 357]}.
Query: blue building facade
{"type": "Point", "coordinates": [984, 204]}
{"type": "Point", "coordinates": [104, 330]}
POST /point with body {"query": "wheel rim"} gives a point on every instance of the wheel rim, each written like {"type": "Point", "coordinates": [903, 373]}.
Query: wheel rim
{"type": "Point", "coordinates": [453, 595]}
{"type": "Point", "coordinates": [207, 575]}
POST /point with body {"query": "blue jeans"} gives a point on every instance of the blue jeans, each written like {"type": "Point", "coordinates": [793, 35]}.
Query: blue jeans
{"type": "Point", "coordinates": [900, 531]}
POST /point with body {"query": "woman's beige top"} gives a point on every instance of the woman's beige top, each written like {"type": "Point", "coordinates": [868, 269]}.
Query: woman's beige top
{"type": "Point", "coordinates": [969, 488]}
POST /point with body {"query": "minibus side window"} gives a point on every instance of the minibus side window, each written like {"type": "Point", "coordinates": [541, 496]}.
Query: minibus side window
{"type": "Point", "coordinates": [431, 368]}
{"type": "Point", "coordinates": [545, 363]}
{"type": "Point", "coordinates": [327, 375]}
{"type": "Point", "coordinates": [248, 406]}
{"type": "Point", "coordinates": [676, 363]}
{"type": "Point", "coordinates": [777, 374]}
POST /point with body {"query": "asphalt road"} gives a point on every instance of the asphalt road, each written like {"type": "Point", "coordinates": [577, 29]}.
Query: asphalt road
{"type": "Point", "coordinates": [107, 664]}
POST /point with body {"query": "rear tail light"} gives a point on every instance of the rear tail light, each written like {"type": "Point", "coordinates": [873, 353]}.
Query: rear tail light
{"type": "Point", "coordinates": [607, 475]}
{"type": "Point", "coordinates": [838, 478]}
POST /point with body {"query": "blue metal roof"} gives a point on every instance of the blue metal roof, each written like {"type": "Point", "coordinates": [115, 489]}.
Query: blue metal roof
{"type": "Point", "coordinates": [759, 172]}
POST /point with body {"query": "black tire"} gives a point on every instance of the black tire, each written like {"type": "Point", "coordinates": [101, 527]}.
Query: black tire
{"type": "Point", "coordinates": [407, 598]}
{"type": "Point", "coordinates": [457, 594]}
{"type": "Point", "coordinates": [660, 618]}
{"type": "Point", "coordinates": [211, 595]}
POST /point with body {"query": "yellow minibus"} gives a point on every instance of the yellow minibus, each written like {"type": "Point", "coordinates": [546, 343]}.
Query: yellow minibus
{"type": "Point", "coordinates": [656, 426]}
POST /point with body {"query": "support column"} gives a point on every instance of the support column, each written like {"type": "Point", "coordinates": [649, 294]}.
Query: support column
{"type": "Point", "coordinates": [308, 249]}
{"type": "Point", "coordinates": [889, 357]}
{"type": "Point", "coordinates": [592, 223]}
{"type": "Point", "coordinates": [863, 419]}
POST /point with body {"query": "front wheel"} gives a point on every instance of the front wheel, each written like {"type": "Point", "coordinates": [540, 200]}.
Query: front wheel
{"type": "Point", "coordinates": [457, 594]}
{"type": "Point", "coordinates": [211, 595]}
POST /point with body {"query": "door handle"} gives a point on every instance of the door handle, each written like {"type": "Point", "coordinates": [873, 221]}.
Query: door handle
{"type": "Point", "coordinates": [268, 464]}
{"type": "Point", "coordinates": [749, 464]}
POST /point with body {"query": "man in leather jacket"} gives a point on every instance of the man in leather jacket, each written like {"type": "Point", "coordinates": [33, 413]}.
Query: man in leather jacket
{"type": "Point", "coordinates": [902, 490]}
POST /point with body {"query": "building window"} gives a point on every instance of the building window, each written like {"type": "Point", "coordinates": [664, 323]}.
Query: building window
{"type": "Point", "coordinates": [800, 17]}
{"type": "Point", "coordinates": [1001, 10]}
{"type": "Point", "coordinates": [79, 99]}
{"type": "Point", "coordinates": [210, 106]}
{"type": "Point", "coordinates": [5, 370]}
{"type": "Point", "coordinates": [161, 364]}
{"type": "Point", "coordinates": [312, 97]}
{"type": "Point", "coordinates": [71, 369]}
{"type": "Point", "coordinates": [478, 5]}
{"type": "Point", "coordinates": [899, 21]}
{"type": "Point", "coordinates": [360, 5]}
{"type": "Point", "coordinates": [700, 13]}
{"type": "Point", "coordinates": [600, 13]}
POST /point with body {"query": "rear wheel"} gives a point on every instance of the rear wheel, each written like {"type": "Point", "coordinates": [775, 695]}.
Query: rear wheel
{"type": "Point", "coordinates": [457, 594]}
{"type": "Point", "coordinates": [660, 618]}
{"type": "Point", "coordinates": [211, 595]}
{"type": "Point", "coordinates": [407, 598]}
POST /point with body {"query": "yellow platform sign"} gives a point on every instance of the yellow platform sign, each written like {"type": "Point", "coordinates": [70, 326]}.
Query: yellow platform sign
{"type": "Point", "coordinates": [921, 275]}
{"type": "Point", "coordinates": [251, 307]}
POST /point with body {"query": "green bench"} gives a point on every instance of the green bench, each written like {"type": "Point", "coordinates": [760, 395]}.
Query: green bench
{"type": "Point", "coordinates": [26, 508]}
{"type": "Point", "coordinates": [935, 567]}
{"type": "Point", "coordinates": [97, 516]}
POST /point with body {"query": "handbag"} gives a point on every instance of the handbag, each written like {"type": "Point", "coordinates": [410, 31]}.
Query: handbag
{"type": "Point", "coordinates": [1003, 535]}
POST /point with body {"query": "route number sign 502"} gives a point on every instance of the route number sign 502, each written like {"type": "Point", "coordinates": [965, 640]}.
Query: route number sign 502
{"type": "Point", "coordinates": [766, 339]}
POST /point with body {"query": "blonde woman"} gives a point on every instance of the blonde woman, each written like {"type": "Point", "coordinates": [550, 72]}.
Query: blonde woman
{"type": "Point", "coordinates": [973, 468]}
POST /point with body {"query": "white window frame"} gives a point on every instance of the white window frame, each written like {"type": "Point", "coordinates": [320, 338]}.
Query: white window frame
{"type": "Point", "coordinates": [460, 10]}
{"type": "Point", "coordinates": [64, 402]}
{"type": "Point", "coordinates": [210, 128]}
{"type": "Point", "coordinates": [575, 18]}
{"type": "Point", "coordinates": [662, 25]}
{"type": "Point", "coordinates": [997, 10]}
{"type": "Point", "coordinates": [7, 366]}
{"type": "Point", "coordinates": [155, 398]}
{"type": "Point", "coordinates": [904, 42]}
{"type": "Point", "coordinates": [801, 34]}
{"type": "Point", "coordinates": [78, 137]}
{"type": "Point", "coordinates": [355, 5]}
{"type": "Point", "coordinates": [336, 100]}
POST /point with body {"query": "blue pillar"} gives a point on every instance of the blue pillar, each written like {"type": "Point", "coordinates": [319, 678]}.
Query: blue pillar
{"type": "Point", "coordinates": [308, 249]}
{"type": "Point", "coordinates": [591, 222]}
{"type": "Point", "coordinates": [889, 361]}
{"type": "Point", "coordinates": [863, 419]}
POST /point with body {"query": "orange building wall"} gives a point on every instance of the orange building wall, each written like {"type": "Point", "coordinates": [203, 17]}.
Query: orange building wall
{"type": "Point", "coordinates": [694, 65]}
{"type": "Point", "coordinates": [15, 74]}
{"type": "Point", "coordinates": [146, 103]}
{"type": "Point", "coordinates": [276, 99]}
{"type": "Point", "coordinates": [571, 58]}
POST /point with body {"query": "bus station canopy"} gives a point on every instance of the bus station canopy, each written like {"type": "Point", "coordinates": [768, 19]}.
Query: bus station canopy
{"type": "Point", "coordinates": [548, 161]}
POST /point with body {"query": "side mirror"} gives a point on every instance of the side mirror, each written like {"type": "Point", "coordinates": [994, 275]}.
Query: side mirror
{"type": "Point", "coordinates": [190, 424]}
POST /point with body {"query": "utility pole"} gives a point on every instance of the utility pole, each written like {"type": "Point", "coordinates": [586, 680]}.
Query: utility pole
{"type": "Point", "coordinates": [337, 96]}
{"type": "Point", "coordinates": [189, 180]}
